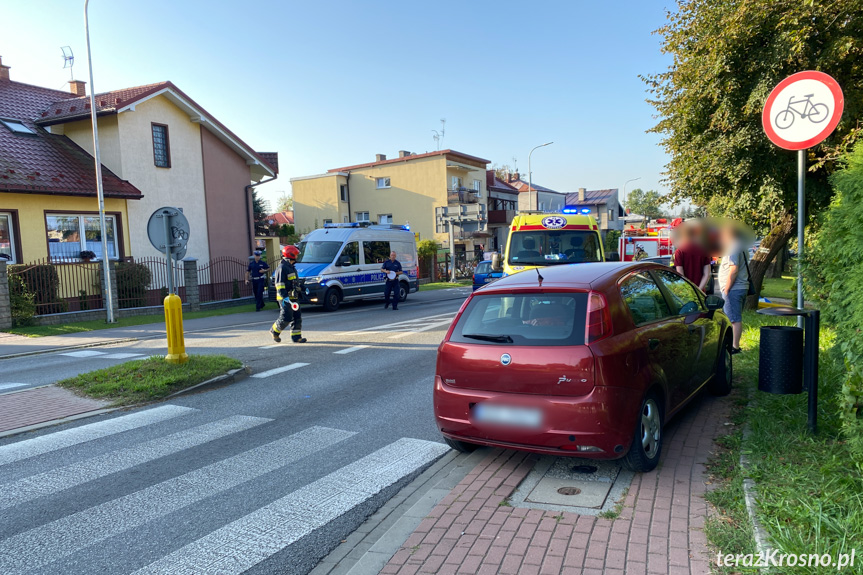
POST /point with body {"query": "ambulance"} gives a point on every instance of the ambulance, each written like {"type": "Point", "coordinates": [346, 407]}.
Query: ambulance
{"type": "Point", "coordinates": [540, 239]}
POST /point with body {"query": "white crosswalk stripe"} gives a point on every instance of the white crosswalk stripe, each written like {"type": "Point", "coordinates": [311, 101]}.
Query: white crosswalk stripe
{"type": "Point", "coordinates": [63, 478]}
{"type": "Point", "coordinates": [11, 385]}
{"type": "Point", "coordinates": [63, 537]}
{"type": "Point", "coordinates": [121, 355]}
{"type": "Point", "coordinates": [279, 370]}
{"type": "Point", "coordinates": [348, 350]}
{"type": "Point", "coordinates": [68, 437]}
{"type": "Point", "coordinates": [408, 327]}
{"type": "Point", "coordinates": [247, 541]}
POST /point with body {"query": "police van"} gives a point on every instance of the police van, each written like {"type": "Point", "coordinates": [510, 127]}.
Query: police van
{"type": "Point", "coordinates": [539, 239]}
{"type": "Point", "coordinates": [342, 262]}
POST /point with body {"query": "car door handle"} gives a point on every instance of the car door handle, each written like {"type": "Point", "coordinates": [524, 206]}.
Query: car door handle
{"type": "Point", "coordinates": [652, 343]}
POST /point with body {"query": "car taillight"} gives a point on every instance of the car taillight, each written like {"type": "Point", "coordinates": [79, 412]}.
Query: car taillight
{"type": "Point", "coordinates": [598, 318]}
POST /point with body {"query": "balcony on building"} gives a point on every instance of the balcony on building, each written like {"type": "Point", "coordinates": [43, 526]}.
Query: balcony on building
{"type": "Point", "coordinates": [461, 196]}
{"type": "Point", "coordinates": [501, 212]}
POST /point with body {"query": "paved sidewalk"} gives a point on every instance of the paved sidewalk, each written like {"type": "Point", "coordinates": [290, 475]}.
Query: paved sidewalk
{"type": "Point", "coordinates": [659, 529]}
{"type": "Point", "coordinates": [33, 406]}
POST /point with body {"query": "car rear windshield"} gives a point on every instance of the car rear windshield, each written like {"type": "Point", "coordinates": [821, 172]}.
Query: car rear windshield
{"type": "Point", "coordinates": [552, 247]}
{"type": "Point", "coordinates": [528, 319]}
{"type": "Point", "coordinates": [483, 268]}
{"type": "Point", "coordinates": [318, 252]}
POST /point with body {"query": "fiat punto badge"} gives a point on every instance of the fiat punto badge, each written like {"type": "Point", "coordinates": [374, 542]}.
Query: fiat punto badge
{"type": "Point", "coordinates": [506, 359]}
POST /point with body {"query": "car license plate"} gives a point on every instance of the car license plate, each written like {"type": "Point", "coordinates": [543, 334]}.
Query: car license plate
{"type": "Point", "coordinates": [507, 415]}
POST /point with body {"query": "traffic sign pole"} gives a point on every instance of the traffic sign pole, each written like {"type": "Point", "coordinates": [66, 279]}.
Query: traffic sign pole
{"type": "Point", "coordinates": [167, 219]}
{"type": "Point", "coordinates": [801, 220]}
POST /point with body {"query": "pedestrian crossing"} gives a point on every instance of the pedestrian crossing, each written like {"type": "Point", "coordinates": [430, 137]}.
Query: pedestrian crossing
{"type": "Point", "coordinates": [63, 543]}
{"type": "Point", "coordinates": [408, 327]}
{"type": "Point", "coordinates": [85, 353]}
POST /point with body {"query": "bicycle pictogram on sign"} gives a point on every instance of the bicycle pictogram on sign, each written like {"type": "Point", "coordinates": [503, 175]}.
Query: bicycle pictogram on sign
{"type": "Point", "coordinates": [814, 112]}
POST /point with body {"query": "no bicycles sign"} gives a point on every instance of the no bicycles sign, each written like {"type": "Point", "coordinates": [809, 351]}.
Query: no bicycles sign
{"type": "Point", "coordinates": [802, 110]}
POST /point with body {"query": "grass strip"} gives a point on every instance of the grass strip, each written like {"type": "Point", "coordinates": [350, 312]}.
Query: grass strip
{"type": "Point", "coordinates": [148, 379]}
{"type": "Point", "coordinates": [445, 285]}
{"type": "Point", "coordinates": [778, 287]}
{"type": "Point", "coordinates": [810, 493]}
{"type": "Point", "coordinates": [93, 325]}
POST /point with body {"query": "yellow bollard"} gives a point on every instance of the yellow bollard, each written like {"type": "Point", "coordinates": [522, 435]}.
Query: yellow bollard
{"type": "Point", "coordinates": [174, 327]}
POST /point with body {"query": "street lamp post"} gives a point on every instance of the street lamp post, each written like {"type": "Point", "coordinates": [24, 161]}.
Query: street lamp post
{"type": "Point", "coordinates": [624, 192]}
{"type": "Point", "coordinates": [109, 306]}
{"type": "Point", "coordinates": [530, 177]}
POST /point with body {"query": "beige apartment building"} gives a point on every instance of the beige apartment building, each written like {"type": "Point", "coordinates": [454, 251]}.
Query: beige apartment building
{"type": "Point", "coordinates": [427, 191]}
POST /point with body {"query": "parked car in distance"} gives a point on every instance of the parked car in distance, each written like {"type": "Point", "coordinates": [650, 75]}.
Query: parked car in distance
{"type": "Point", "coordinates": [586, 360]}
{"type": "Point", "coordinates": [661, 260]}
{"type": "Point", "coordinates": [484, 274]}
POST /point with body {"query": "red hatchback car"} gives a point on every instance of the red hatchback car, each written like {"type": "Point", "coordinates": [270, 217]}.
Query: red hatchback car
{"type": "Point", "coordinates": [588, 360]}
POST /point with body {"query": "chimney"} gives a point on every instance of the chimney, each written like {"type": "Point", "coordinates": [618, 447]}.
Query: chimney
{"type": "Point", "coordinates": [77, 87]}
{"type": "Point", "coordinates": [380, 157]}
{"type": "Point", "coordinates": [404, 153]}
{"type": "Point", "coordinates": [514, 177]}
{"type": "Point", "coordinates": [581, 194]}
{"type": "Point", "coordinates": [4, 71]}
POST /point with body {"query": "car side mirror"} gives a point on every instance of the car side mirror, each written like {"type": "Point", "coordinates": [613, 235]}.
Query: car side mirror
{"type": "Point", "coordinates": [714, 302]}
{"type": "Point", "coordinates": [495, 262]}
{"type": "Point", "coordinates": [612, 257]}
{"type": "Point", "coordinates": [344, 261]}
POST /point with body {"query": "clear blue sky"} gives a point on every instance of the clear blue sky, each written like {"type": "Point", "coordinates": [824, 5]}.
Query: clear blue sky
{"type": "Point", "coordinates": [332, 83]}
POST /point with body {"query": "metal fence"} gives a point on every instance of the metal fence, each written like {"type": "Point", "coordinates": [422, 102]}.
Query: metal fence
{"type": "Point", "coordinates": [144, 282]}
{"type": "Point", "coordinates": [58, 287]}
{"type": "Point", "coordinates": [223, 278]}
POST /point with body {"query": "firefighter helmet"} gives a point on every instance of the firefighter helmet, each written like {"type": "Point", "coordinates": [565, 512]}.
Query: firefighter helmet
{"type": "Point", "coordinates": [290, 252]}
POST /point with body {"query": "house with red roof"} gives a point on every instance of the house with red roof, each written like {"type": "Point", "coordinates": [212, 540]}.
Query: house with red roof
{"type": "Point", "coordinates": [158, 148]}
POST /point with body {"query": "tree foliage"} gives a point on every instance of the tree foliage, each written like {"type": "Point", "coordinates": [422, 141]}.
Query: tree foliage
{"type": "Point", "coordinates": [261, 211]}
{"type": "Point", "coordinates": [286, 202]}
{"type": "Point", "coordinates": [647, 204]}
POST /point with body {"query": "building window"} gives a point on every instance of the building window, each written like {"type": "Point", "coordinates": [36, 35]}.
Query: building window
{"type": "Point", "coordinates": [343, 192]}
{"type": "Point", "coordinates": [457, 183]}
{"type": "Point", "coordinates": [362, 216]}
{"type": "Point", "coordinates": [477, 187]}
{"type": "Point", "coordinates": [16, 126]}
{"type": "Point", "coordinates": [328, 222]}
{"type": "Point", "coordinates": [383, 183]}
{"type": "Point", "coordinates": [161, 146]}
{"type": "Point", "coordinates": [346, 219]}
{"type": "Point", "coordinates": [610, 215]}
{"type": "Point", "coordinates": [69, 235]}
{"type": "Point", "coordinates": [7, 238]}
{"type": "Point", "coordinates": [385, 219]}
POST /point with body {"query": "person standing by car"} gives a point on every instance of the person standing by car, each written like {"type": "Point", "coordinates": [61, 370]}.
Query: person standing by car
{"type": "Point", "coordinates": [393, 269]}
{"type": "Point", "coordinates": [691, 261]}
{"type": "Point", "coordinates": [733, 284]}
{"type": "Point", "coordinates": [256, 274]}
{"type": "Point", "coordinates": [286, 294]}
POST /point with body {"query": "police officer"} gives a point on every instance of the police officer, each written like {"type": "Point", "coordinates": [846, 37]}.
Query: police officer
{"type": "Point", "coordinates": [256, 274]}
{"type": "Point", "coordinates": [287, 294]}
{"type": "Point", "coordinates": [393, 269]}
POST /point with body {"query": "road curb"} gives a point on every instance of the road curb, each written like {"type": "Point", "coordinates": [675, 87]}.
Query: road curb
{"type": "Point", "coordinates": [368, 549]}
{"type": "Point", "coordinates": [37, 426]}
{"type": "Point", "coordinates": [233, 376]}
{"type": "Point", "coordinates": [762, 538]}
{"type": "Point", "coordinates": [69, 347]}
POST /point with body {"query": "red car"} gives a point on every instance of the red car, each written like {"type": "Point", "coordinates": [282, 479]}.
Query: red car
{"type": "Point", "coordinates": [588, 360]}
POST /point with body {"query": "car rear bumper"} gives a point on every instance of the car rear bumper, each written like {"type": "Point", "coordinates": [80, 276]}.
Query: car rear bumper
{"type": "Point", "coordinates": [604, 419]}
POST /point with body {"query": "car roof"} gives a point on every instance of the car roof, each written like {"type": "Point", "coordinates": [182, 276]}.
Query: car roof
{"type": "Point", "coordinates": [583, 276]}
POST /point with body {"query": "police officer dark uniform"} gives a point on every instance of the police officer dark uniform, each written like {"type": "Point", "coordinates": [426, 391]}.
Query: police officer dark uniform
{"type": "Point", "coordinates": [286, 294]}
{"type": "Point", "coordinates": [256, 274]}
{"type": "Point", "coordinates": [394, 268]}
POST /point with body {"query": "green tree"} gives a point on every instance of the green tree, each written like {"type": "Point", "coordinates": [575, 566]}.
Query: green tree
{"type": "Point", "coordinates": [285, 202]}
{"type": "Point", "coordinates": [261, 210]}
{"type": "Point", "coordinates": [728, 56]}
{"type": "Point", "coordinates": [647, 204]}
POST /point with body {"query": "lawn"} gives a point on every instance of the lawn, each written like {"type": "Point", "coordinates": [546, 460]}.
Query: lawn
{"type": "Point", "coordinates": [148, 379]}
{"type": "Point", "coordinates": [778, 287]}
{"type": "Point", "coordinates": [76, 327]}
{"type": "Point", "coordinates": [445, 285]}
{"type": "Point", "coordinates": [810, 493]}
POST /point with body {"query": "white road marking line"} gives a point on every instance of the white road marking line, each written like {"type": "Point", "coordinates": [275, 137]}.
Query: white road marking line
{"type": "Point", "coordinates": [275, 345]}
{"type": "Point", "coordinates": [279, 370]}
{"type": "Point", "coordinates": [60, 439]}
{"type": "Point", "coordinates": [71, 534]}
{"type": "Point", "coordinates": [249, 540]}
{"type": "Point", "coordinates": [11, 385]}
{"type": "Point", "coordinates": [425, 328]}
{"type": "Point", "coordinates": [121, 355]}
{"type": "Point", "coordinates": [83, 353]}
{"type": "Point", "coordinates": [62, 478]}
{"type": "Point", "coordinates": [351, 349]}
{"type": "Point", "coordinates": [407, 324]}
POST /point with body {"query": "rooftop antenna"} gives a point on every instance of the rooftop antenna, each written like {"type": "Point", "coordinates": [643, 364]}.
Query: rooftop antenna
{"type": "Point", "coordinates": [515, 164]}
{"type": "Point", "coordinates": [68, 60]}
{"type": "Point", "coordinates": [438, 136]}
{"type": "Point", "coordinates": [539, 276]}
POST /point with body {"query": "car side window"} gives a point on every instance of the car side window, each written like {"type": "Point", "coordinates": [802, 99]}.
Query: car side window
{"type": "Point", "coordinates": [644, 299]}
{"type": "Point", "coordinates": [483, 268]}
{"type": "Point", "coordinates": [684, 298]}
{"type": "Point", "coordinates": [376, 252]}
{"type": "Point", "coordinates": [352, 250]}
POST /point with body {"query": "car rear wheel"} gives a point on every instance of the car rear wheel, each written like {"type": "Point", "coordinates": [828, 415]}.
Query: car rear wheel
{"type": "Point", "coordinates": [403, 291]}
{"type": "Point", "coordinates": [332, 299]}
{"type": "Point", "coordinates": [460, 446]}
{"type": "Point", "coordinates": [721, 383]}
{"type": "Point", "coordinates": [646, 445]}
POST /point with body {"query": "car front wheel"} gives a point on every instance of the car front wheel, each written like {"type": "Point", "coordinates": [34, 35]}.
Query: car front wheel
{"type": "Point", "coordinates": [332, 299]}
{"type": "Point", "coordinates": [460, 446]}
{"type": "Point", "coordinates": [646, 445]}
{"type": "Point", "coordinates": [721, 383]}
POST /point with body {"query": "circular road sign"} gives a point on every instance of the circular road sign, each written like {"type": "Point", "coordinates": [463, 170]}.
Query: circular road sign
{"type": "Point", "coordinates": [802, 110]}
{"type": "Point", "coordinates": [179, 230]}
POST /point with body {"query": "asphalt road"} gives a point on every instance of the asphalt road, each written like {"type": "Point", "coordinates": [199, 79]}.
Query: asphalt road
{"type": "Point", "coordinates": [264, 476]}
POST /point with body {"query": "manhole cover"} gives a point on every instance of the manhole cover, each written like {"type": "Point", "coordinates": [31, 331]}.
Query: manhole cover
{"type": "Point", "coordinates": [569, 490]}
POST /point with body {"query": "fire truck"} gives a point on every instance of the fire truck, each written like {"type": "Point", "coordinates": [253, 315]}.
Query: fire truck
{"type": "Point", "coordinates": [637, 244]}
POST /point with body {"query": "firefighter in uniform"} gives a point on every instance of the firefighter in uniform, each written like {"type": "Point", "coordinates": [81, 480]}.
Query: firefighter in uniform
{"type": "Point", "coordinates": [287, 294]}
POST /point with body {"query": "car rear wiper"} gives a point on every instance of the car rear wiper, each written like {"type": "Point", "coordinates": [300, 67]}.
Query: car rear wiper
{"type": "Point", "coordinates": [483, 337]}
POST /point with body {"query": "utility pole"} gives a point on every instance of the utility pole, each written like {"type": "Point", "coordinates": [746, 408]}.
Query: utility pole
{"type": "Point", "coordinates": [530, 198]}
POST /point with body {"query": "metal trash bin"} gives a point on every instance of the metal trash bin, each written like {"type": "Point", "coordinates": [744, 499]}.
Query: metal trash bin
{"type": "Point", "coordinates": [780, 361]}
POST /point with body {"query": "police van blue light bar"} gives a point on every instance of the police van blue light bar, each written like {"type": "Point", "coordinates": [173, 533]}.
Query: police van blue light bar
{"type": "Point", "coordinates": [585, 210]}
{"type": "Point", "coordinates": [570, 210]}
{"type": "Point", "coordinates": [345, 225]}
